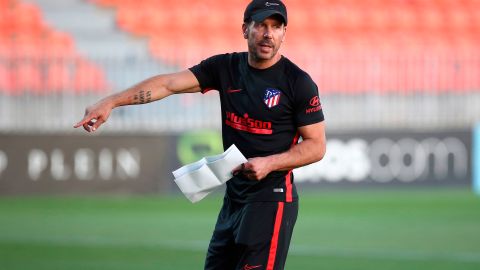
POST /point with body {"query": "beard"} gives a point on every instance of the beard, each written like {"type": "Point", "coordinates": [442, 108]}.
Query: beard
{"type": "Point", "coordinates": [261, 53]}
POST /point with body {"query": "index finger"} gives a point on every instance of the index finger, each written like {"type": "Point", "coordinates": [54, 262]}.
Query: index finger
{"type": "Point", "coordinates": [84, 121]}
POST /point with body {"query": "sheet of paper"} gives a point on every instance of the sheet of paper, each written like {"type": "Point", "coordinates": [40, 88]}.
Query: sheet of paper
{"type": "Point", "coordinates": [196, 180]}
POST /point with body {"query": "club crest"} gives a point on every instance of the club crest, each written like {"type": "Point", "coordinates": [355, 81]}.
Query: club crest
{"type": "Point", "coordinates": [272, 97]}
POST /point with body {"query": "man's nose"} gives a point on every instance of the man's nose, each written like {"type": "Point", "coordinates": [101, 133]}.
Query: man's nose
{"type": "Point", "coordinates": [268, 33]}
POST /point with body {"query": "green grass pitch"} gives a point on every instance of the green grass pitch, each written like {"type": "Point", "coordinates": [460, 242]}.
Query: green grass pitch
{"type": "Point", "coordinates": [423, 229]}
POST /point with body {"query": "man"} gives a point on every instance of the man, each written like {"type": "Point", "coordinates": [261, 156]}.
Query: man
{"type": "Point", "coordinates": [267, 104]}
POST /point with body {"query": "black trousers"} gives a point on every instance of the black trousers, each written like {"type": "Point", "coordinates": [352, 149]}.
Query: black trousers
{"type": "Point", "coordinates": [252, 236]}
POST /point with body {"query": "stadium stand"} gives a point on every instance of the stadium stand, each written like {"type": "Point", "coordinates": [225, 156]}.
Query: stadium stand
{"type": "Point", "coordinates": [378, 34]}
{"type": "Point", "coordinates": [379, 64]}
{"type": "Point", "coordinates": [38, 59]}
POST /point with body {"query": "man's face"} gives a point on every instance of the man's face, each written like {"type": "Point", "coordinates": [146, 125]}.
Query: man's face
{"type": "Point", "coordinates": [264, 38]}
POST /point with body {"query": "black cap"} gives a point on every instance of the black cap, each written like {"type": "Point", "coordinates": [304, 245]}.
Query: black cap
{"type": "Point", "coordinates": [259, 10]}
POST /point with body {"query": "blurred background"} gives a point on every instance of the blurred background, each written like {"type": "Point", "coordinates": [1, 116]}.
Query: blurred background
{"type": "Point", "coordinates": [399, 82]}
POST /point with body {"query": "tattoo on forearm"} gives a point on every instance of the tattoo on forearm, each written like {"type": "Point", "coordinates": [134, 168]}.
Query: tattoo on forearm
{"type": "Point", "coordinates": [149, 96]}
{"type": "Point", "coordinates": [142, 97]}
{"type": "Point", "coordinates": [135, 100]}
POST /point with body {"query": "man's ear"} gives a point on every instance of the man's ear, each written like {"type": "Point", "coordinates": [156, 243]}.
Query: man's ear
{"type": "Point", "coordinates": [284, 34]}
{"type": "Point", "coordinates": [245, 30]}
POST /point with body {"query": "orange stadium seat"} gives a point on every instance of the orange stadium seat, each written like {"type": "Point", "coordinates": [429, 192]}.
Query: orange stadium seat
{"type": "Point", "coordinates": [27, 76]}
{"type": "Point", "coordinates": [5, 4]}
{"type": "Point", "coordinates": [36, 58]}
{"type": "Point", "coordinates": [58, 44]}
{"type": "Point", "coordinates": [127, 18]}
{"type": "Point", "coordinates": [27, 20]}
{"type": "Point", "coordinates": [6, 80]}
{"type": "Point", "coordinates": [26, 47]}
{"type": "Point", "coordinates": [370, 42]}
{"type": "Point", "coordinates": [403, 19]}
{"type": "Point", "coordinates": [6, 23]}
{"type": "Point", "coordinates": [5, 48]}
{"type": "Point", "coordinates": [59, 76]}
{"type": "Point", "coordinates": [88, 78]}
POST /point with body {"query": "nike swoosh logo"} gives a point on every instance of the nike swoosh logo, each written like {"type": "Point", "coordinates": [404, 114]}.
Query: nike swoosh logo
{"type": "Point", "coordinates": [234, 90]}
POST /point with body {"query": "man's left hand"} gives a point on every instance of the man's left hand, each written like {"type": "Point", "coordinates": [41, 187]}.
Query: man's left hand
{"type": "Point", "coordinates": [255, 169]}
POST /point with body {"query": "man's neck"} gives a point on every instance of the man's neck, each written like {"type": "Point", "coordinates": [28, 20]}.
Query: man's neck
{"type": "Point", "coordinates": [263, 64]}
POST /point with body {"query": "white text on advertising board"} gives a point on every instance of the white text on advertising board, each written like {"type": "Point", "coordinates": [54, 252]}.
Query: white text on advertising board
{"type": "Point", "coordinates": [85, 164]}
{"type": "Point", "coordinates": [385, 160]}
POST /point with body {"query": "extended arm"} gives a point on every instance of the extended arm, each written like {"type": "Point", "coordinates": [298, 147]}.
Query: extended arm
{"type": "Point", "coordinates": [311, 149]}
{"type": "Point", "coordinates": [152, 89]}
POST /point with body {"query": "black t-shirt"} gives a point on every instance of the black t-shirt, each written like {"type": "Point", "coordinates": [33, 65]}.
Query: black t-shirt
{"type": "Point", "coordinates": [261, 110]}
